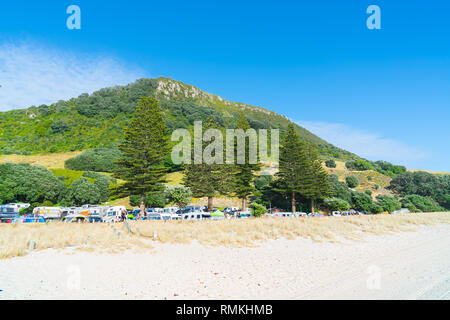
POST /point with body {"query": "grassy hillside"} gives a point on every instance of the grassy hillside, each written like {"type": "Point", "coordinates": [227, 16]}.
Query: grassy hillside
{"type": "Point", "coordinates": [367, 179]}
{"type": "Point", "coordinates": [96, 120]}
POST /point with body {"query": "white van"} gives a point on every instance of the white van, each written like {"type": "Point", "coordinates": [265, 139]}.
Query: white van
{"type": "Point", "coordinates": [193, 216]}
{"type": "Point", "coordinates": [113, 214]}
{"type": "Point", "coordinates": [48, 212]}
{"type": "Point", "coordinates": [170, 210]}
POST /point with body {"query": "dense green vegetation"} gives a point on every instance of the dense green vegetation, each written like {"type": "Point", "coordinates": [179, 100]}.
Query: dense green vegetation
{"type": "Point", "coordinates": [435, 188]}
{"type": "Point", "coordinates": [37, 185]}
{"type": "Point", "coordinates": [380, 166]}
{"type": "Point", "coordinates": [99, 160]}
{"type": "Point", "coordinates": [98, 120]}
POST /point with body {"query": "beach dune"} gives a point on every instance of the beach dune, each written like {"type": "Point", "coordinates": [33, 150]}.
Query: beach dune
{"type": "Point", "coordinates": [405, 265]}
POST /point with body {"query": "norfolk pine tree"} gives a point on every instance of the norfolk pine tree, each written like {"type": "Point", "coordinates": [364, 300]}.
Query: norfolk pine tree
{"type": "Point", "coordinates": [316, 184]}
{"type": "Point", "coordinates": [208, 180]}
{"type": "Point", "coordinates": [144, 149]}
{"type": "Point", "coordinates": [301, 170]}
{"type": "Point", "coordinates": [244, 174]}
{"type": "Point", "coordinates": [291, 166]}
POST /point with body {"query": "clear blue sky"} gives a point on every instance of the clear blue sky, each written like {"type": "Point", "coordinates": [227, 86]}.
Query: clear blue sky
{"type": "Point", "coordinates": [384, 94]}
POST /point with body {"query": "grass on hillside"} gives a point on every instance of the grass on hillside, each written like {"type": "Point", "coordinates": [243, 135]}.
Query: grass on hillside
{"type": "Point", "coordinates": [15, 238]}
{"type": "Point", "coordinates": [381, 180]}
{"type": "Point", "coordinates": [50, 161]}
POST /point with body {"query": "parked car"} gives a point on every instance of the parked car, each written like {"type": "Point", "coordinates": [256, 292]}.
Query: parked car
{"type": "Point", "coordinates": [33, 219]}
{"type": "Point", "coordinates": [94, 218]}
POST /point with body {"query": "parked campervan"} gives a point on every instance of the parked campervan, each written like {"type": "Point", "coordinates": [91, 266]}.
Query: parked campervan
{"type": "Point", "coordinates": [114, 214]}
{"type": "Point", "coordinates": [20, 206]}
{"type": "Point", "coordinates": [170, 210]}
{"type": "Point", "coordinates": [48, 213]}
{"type": "Point", "coordinates": [8, 212]}
{"type": "Point", "coordinates": [193, 216]}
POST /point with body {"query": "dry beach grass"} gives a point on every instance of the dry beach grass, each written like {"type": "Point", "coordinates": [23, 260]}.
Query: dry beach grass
{"type": "Point", "coordinates": [15, 240]}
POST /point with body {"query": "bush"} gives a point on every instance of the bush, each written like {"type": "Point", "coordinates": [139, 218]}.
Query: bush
{"type": "Point", "coordinates": [257, 209]}
{"type": "Point", "coordinates": [340, 189]}
{"type": "Point", "coordinates": [83, 192]}
{"type": "Point", "coordinates": [388, 204]}
{"type": "Point", "coordinates": [336, 204]}
{"type": "Point", "coordinates": [376, 187]}
{"type": "Point", "coordinates": [388, 168]}
{"type": "Point", "coordinates": [358, 165]}
{"type": "Point", "coordinates": [417, 203]}
{"type": "Point", "coordinates": [362, 201]}
{"type": "Point", "coordinates": [375, 208]}
{"type": "Point", "coordinates": [368, 192]}
{"type": "Point", "coordinates": [352, 181]}
{"type": "Point", "coordinates": [158, 200]}
{"type": "Point", "coordinates": [423, 184]}
{"type": "Point", "coordinates": [330, 163]}
{"type": "Point", "coordinates": [99, 160]}
{"type": "Point", "coordinates": [29, 184]}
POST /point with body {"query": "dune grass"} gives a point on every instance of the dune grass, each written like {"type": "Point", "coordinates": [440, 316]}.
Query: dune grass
{"type": "Point", "coordinates": [15, 239]}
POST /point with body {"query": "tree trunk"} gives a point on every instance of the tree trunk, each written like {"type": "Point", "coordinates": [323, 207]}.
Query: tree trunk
{"type": "Point", "coordinates": [210, 204]}
{"type": "Point", "coordinates": [312, 205]}
{"type": "Point", "coordinates": [141, 214]}
{"type": "Point", "coordinates": [244, 204]}
{"type": "Point", "coordinates": [293, 202]}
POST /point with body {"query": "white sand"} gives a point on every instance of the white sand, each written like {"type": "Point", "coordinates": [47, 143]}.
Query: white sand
{"type": "Point", "coordinates": [409, 265]}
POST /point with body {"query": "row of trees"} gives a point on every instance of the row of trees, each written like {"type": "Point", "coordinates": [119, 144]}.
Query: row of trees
{"type": "Point", "coordinates": [146, 146]}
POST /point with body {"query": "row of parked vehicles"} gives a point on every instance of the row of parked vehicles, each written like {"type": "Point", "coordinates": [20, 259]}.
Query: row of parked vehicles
{"type": "Point", "coordinates": [93, 213]}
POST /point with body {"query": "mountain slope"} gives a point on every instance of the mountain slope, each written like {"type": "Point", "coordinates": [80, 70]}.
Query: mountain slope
{"type": "Point", "coordinates": [96, 120]}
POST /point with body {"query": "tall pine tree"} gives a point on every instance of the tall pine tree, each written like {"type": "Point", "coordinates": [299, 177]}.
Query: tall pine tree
{"type": "Point", "coordinates": [301, 172]}
{"type": "Point", "coordinates": [208, 180]}
{"type": "Point", "coordinates": [144, 149]}
{"type": "Point", "coordinates": [291, 166]}
{"type": "Point", "coordinates": [316, 184]}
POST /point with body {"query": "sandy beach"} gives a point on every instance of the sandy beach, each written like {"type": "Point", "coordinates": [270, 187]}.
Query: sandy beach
{"type": "Point", "coordinates": [404, 265]}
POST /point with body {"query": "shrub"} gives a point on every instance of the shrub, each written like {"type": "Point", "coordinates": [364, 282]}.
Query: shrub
{"type": "Point", "coordinates": [99, 160]}
{"type": "Point", "coordinates": [375, 208]}
{"type": "Point", "coordinates": [340, 189]}
{"type": "Point", "coordinates": [158, 200]}
{"type": "Point", "coordinates": [257, 209]}
{"type": "Point", "coordinates": [417, 203]}
{"type": "Point", "coordinates": [358, 165]}
{"type": "Point", "coordinates": [29, 184]}
{"type": "Point", "coordinates": [83, 192]}
{"type": "Point", "coordinates": [352, 181]}
{"type": "Point", "coordinates": [376, 187]}
{"type": "Point", "coordinates": [388, 204]}
{"type": "Point", "coordinates": [336, 204]}
{"type": "Point", "coordinates": [368, 192]}
{"type": "Point", "coordinates": [362, 201]}
{"type": "Point", "coordinates": [423, 184]}
{"type": "Point", "coordinates": [330, 163]}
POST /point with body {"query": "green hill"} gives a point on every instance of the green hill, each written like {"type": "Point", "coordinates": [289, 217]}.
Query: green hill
{"type": "Point", "coordinates": [96, 120]}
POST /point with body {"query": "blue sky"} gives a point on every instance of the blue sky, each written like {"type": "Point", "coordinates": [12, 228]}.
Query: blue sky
{"type": "Point", "coordinates": [383, 94]}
